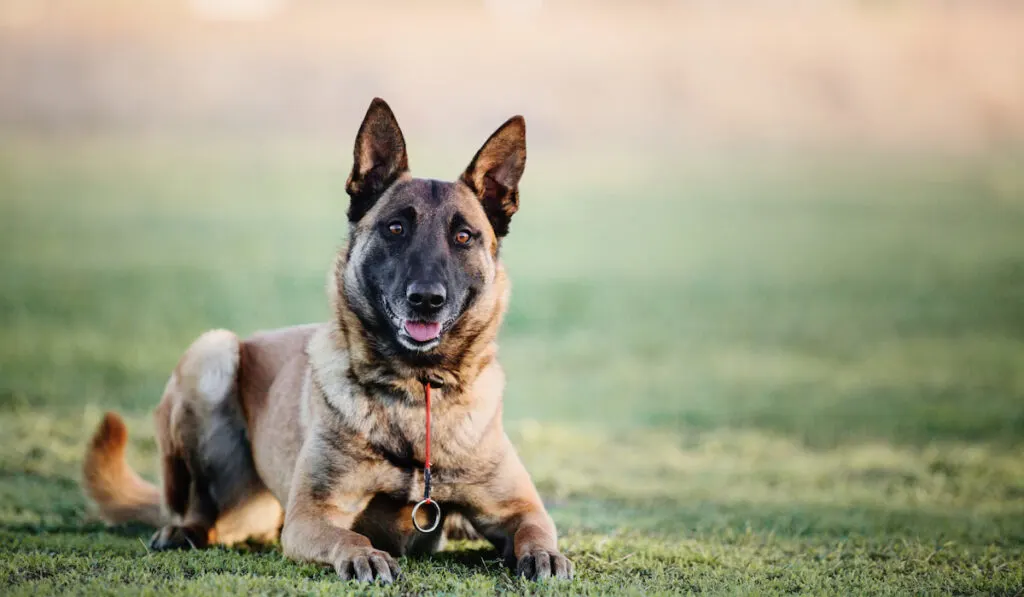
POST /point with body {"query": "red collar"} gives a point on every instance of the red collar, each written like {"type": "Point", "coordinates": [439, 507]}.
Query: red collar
{"type": "Point", "coordinates": [432, 524]}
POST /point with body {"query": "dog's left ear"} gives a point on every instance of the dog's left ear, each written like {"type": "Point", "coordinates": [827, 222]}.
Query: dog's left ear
{"type": "Point", "coordinates": [378, 160]}
{"type": "Point", "coordinates": [495, 171]}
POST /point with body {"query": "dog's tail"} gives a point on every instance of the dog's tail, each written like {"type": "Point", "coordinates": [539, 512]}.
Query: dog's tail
{"type": "Point", "coordinates": [121, 494]}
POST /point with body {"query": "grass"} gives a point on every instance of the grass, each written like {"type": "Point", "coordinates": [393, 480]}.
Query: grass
{"type": "Point", "coordinates": [731, 379]}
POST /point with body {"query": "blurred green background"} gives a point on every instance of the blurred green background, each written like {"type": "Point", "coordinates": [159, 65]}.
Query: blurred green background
{"type": "Point", "coordinates": [767, 325]}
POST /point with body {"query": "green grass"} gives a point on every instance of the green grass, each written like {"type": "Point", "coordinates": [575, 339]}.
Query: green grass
{"type": "Point", "coordinates": [780, 378]}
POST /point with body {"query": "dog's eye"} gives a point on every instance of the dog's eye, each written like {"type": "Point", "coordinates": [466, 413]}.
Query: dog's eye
{"type": "Point", "coordinates": [396, 228]}
{"type": "Point", "coordinates": [462, 237]}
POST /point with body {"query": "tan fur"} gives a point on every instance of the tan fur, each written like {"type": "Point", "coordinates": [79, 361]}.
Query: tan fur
{"type": "Point", "coordinates": [309, 428]}
{"type": "Point", "coordinates": [123, 496]}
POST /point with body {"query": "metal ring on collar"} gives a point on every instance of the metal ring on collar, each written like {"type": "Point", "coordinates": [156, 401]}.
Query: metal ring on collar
{"type": "Point", "coordinates": [437, 516]}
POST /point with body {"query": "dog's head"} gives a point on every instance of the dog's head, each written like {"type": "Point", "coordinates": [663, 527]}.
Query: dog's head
{"type": "Point", "coordinates": [422, 259]}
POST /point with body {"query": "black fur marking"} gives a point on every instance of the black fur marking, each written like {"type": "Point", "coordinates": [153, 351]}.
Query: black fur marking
{"type": "Point", "coordinates": [324, 475]}
{"type": "Point", "coordinates": [436, 195]}
{"type": "Point", "coordinates": [398, 452]}
{"type": "Point", "coordinates": [329, 463]}
{"type": "Point", "coordinates": [373, 387]}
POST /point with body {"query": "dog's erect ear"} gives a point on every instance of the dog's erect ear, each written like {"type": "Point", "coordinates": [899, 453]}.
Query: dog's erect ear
{"type": "Point", "coordinates": [495, 171]}
{"type": "Point", "coordinates": [379, 159]}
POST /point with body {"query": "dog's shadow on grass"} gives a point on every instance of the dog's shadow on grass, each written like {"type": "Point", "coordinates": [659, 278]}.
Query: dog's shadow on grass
{"type": "Point", "coordinates": [477, 558]}
{"type": "Point", "coordinates": [130, 530]}
{"type": "Point", "coordinates": [470, 556]}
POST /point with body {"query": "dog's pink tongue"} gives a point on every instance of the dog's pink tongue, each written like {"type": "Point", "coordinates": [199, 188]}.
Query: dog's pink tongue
{"type": "Point", "coordinates": [422, 331]}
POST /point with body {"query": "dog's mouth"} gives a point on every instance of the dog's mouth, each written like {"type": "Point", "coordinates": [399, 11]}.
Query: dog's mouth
{"type": "Point", "coordinates": [419, 335]}
{"type": "Point", "coordinates": [423, 331]}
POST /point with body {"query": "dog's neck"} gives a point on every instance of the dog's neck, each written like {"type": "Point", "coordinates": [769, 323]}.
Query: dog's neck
{"type": "Point", "coordinates": [466, 351]}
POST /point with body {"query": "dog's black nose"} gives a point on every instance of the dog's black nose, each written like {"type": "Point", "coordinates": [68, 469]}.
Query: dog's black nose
{"type": "Point", "coordinates": [424, 295]}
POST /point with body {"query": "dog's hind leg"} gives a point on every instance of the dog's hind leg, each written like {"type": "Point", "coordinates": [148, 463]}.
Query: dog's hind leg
{"type": "Point", "coordinates": [195, 511]}
{"type": "Point", "coordinates": [458, 528]}
{"type": "Point", "coordinates": [207, 463]}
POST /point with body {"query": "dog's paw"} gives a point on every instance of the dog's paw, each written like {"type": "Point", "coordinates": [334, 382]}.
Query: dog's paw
{"type": "Point", "coordinates": [366, 564]}
{"type": "Point", "coordinates": [178, 537]}
{"type": "Point", "coordinates": [541, 564]}
{"type": "Point", "coordinates": [457, 528]}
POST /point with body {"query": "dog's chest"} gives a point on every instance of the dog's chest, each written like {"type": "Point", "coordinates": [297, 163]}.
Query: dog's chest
{"type": "Point", "coordinates": [399, 446]}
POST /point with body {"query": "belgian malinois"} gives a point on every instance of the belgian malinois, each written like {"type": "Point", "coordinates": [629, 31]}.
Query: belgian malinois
{"type": "Point", "coordinates": [316, 433]}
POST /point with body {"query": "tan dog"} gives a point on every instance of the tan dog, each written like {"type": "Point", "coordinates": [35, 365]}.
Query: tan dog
{"type": "Point", "coordinates": [328, 419]}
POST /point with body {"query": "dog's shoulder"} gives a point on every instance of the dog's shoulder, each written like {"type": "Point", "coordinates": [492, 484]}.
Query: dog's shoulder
{"type": "Point", "coordinates": [271, 349]}
{"type": "Point", "coordinates": [331, 388]}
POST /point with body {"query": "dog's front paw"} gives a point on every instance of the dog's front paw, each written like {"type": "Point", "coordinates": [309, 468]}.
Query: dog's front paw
{"type": "Point", "coordinates": [367, 565]}
{"type": "Point", "coordinates": [540, 564]}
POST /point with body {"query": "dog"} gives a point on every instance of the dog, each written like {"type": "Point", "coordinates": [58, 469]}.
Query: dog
{"type": "Point", "coordinates": [315, 435]}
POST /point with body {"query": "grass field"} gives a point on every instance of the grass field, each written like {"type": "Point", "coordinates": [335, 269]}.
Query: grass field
{"type": "Point", "coordinates": [726, 378]}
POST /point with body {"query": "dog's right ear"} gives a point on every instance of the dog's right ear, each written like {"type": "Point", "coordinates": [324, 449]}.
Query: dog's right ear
{"type": "Point", "coordinates": [378, 160]}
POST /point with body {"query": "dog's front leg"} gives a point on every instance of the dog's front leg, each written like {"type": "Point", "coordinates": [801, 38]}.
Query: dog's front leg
{"type": "Point", "coordinates": [320, 535]}
{"type": "Point", "coordinates": [318, 525]}
{"type": "Point", "coordinates": [509, 512]}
